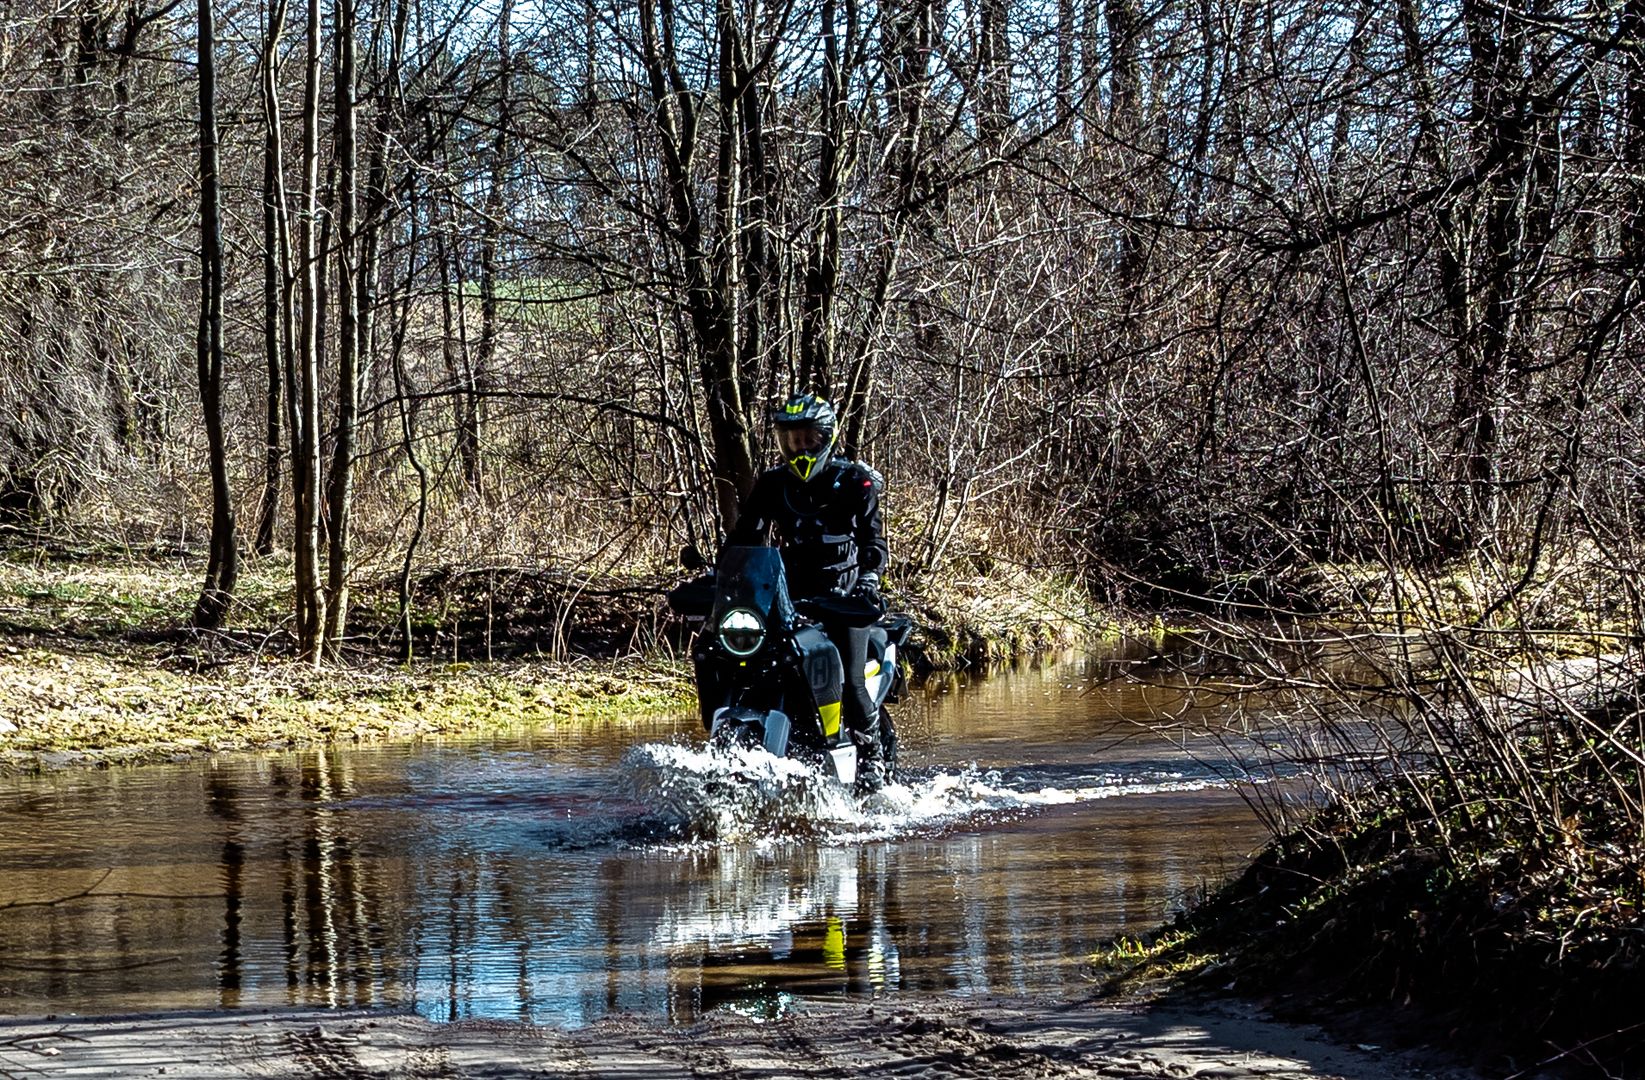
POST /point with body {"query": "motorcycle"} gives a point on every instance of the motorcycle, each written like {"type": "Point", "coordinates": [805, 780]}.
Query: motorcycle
{"type": "Point", "coordinates": [769, 675]}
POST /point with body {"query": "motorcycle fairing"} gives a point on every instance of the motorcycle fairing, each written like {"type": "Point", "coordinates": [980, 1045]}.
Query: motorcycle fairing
{"type": "Point", "coordinates": [872, 673]}
{"type": "Point", "coordinates": [824, 674]}
{"type": "Point", "coordinates": [751, 578]}
{"type": "Point", "coordinates": [867, 644]}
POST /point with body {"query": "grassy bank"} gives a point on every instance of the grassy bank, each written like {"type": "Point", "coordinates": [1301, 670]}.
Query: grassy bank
{"type": "Point", "coordinates": [95, 667]}
{"type": "Point", "coordinates": [95, 670]}
{"type": "Point", "coordinates": [1473, 744]}
{"type": "Point", "coordinates": [63, 708]}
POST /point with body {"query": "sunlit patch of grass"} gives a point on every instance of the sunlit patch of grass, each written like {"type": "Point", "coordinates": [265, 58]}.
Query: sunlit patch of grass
{"type": "Point", "coordinates": [1130, 963]}
{"type": "Point", "coordinates": [93, 703]}
{"type": "Point", "coordinates": [91, 597]}
{"type": "Point", "coordinates": [106, 594]}
{"type": "Point", "coordinates": [1569, 599]}
{"type": "Point", "coordinates": [85, 669]}
{"type": "Point", "coordinates": [542, 302]}
{"type": "Point", "coordinates": [986, 614]}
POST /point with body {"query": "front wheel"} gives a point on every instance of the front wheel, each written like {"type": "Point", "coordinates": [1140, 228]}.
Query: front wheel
{"type": "Point", "coordinates": [736, 735]}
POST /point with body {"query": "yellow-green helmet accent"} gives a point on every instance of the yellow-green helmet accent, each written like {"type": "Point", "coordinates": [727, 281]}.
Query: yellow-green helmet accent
{"type": "Point", "coordinates": [806, 411]}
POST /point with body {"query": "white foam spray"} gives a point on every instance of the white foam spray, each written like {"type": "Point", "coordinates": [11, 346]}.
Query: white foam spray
{"type": "Point", "coordinates": [744, 794]}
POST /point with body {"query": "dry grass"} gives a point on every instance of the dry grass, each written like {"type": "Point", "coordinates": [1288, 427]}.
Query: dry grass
{"type": "Point", "coordinates": [120, 709]}
{"type": "Point", "coordinates": [92, 667]}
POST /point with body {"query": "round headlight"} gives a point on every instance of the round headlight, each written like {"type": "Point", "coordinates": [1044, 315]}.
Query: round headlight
{"type": "Point", "coordinates": [741, 632]}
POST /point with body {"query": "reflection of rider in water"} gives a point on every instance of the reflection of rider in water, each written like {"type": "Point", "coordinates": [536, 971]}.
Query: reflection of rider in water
{"type": "Point", "coordinates": [825, 511]}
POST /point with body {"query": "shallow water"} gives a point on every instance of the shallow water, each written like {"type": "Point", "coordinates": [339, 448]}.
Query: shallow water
{"type": "Point", "coordinates": [561, 876]}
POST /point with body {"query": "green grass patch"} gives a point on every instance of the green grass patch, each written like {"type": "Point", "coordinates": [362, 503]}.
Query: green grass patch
{"type": "Point", "coordinates": [542, 303]}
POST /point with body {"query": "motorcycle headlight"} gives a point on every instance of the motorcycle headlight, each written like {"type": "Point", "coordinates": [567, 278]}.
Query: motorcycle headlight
{"type": "Point", "coordinates": [741, 632]}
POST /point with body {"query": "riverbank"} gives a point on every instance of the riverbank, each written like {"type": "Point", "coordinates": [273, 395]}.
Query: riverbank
{"type": "Point", "coordinates": [61, 708]}
{"type": "Point", "coordinates": [908, 1037]}
{"type": "Point", "coordinates": [96, 668]}
{"type": "Point", "coordinates": [1473, 878]}
{"type": "Point", "coordinates": [1370, 925]}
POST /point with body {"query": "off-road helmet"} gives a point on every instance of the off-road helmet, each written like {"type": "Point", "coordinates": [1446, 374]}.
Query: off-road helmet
{"type": "Point", "coordinates": [806, 429]}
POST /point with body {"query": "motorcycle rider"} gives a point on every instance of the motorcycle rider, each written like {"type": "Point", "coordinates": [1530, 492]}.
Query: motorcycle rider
{"type": "Point", "coordinates": [824, 509]}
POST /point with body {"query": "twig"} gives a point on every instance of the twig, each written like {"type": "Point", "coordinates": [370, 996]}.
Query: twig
{"type": "Point", "coordinates": [132, 966]}
{"type": "Point", "coordinates": [1578, 1048]}
{"type": "Point", "coordinates": [21, 1040]}
{"type": "Point", "coordinates": [90, 893]}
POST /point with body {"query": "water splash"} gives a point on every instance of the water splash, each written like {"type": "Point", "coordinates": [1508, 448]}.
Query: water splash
{"type": "Point", "coordinates": [743, 794]}
{"type": "Point", "coordinates": [735, 792]}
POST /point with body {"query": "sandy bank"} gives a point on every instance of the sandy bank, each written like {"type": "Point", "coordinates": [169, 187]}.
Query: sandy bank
{"type": "Point", "coordinates": [906, 1037]}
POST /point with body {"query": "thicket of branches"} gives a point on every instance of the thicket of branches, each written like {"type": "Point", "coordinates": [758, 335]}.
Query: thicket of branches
{"type": "Point", "coordinates": [1185, 289]}
{"type": "Point", "coordinates": [1191, 293]}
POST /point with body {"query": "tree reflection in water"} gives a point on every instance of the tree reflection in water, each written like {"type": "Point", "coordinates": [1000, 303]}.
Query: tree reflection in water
{"type": "Point", "coordinates": [510, 880]}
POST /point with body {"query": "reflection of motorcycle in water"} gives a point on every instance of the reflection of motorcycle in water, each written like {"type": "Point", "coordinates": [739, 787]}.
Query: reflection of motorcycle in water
{"type": "Point", "coordinates": [769, 675]}
{"type": "Point", "coordinates": [748, 927]}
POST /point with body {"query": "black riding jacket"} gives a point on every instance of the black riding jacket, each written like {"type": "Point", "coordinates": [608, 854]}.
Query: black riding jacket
{"type": "Point", "coordinates": [828, 527]}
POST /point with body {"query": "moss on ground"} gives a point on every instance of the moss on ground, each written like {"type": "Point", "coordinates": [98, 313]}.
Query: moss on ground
{"type": "Point", "coordinates": [93, 670]}
{"type": "Point", "coordinates": [91, 709]}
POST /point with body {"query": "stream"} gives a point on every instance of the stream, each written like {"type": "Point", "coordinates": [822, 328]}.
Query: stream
{"type": "Point", "coordinates": [561, 876]}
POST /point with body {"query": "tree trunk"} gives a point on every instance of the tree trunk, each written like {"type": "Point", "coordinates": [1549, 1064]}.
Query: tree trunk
{"type": "Point", "coordinates": [1125, 124]}
{"type": "Point", "coordinates": [1499, 123]}
{"type": "Point", "coordinates": [276, 294]}
{"type": "Point", "coordinates": [994, 96]}
{"type": "Point", "coordinates": [710, 274]}
{"type": "Point", "coordinates": [908, 44]}
{"type": "Point", "coordinates": [1633, 139]}
{"type": "Point", "coordinates": [305, 459]}
{"type": "Point", "coordinates": [340, 490]}
{"type": "Point", "coordinates": [1092, 65]}
{"type": "Point", "coordinates": [1067, 36]}
{"type": "Point", "coordinates": [222, 568]}
{"type": "Point", "coordinates": [822, 271]}
{"type": "Point", "coordinates": [491, 227]}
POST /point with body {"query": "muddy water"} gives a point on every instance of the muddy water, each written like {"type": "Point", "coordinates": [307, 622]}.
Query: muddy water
{"type": "Point", "coordinates": [563, 876]}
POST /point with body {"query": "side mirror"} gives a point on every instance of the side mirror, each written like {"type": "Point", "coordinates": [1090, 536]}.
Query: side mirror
{"type": "Point", "coordinates": [691, 558]}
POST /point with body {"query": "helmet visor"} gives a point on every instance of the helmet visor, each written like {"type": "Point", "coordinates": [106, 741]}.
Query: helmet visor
{"type": "Point", "coordinates": [801, 439]}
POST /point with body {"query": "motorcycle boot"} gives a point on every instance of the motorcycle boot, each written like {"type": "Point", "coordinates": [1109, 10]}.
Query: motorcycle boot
{"type": "Point", "coordinates": [863, 715]}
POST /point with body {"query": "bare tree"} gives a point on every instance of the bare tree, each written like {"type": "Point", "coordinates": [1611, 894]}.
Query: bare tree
{"type": "Point", "coordinates": [340, 485]}
{"type": "Point", "coordinates": [277, 285]}
{"type": "Point", "coordinates": [305, 385]}
{"type": "Point", "coordinates": [223, 568]}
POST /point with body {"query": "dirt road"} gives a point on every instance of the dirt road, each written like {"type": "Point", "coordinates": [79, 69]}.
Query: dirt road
{"type": "Point", "coordinates": [906, 1038]}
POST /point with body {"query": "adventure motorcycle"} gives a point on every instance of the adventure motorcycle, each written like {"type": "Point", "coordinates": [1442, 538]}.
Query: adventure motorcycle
{"type": "Point", "coordinates": [768, 674]}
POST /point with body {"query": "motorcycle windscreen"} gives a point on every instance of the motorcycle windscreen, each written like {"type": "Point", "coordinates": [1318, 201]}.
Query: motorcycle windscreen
{"type": "Point", "coordinates": [752, 578]}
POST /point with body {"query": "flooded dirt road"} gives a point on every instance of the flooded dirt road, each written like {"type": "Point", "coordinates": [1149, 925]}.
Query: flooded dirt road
{"type": "Point", "coordinates": [565, 876]}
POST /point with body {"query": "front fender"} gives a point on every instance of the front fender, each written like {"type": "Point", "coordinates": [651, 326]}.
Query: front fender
{"type": "Point", "coordinates": [768, 728]}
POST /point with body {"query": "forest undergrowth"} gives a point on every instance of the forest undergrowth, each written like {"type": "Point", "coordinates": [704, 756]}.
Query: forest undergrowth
{"type": "Point", "coordinates": [1459, 822]}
